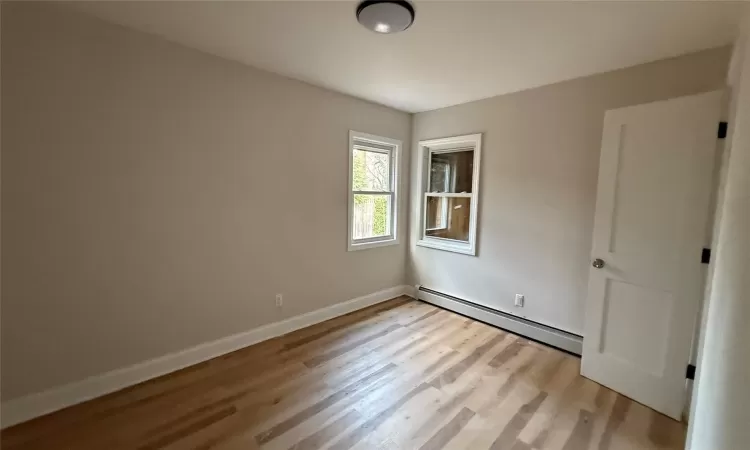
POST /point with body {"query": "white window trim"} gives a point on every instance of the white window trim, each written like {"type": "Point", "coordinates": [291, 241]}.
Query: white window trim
{"type": "Point", "coordinates": [380, 241]}
{"type": "Point", "coordinates": [449, 145]}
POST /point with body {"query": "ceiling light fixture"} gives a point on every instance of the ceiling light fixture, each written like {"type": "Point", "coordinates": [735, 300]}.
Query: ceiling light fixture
{"type": "Point", "coordinates": [385, 16]}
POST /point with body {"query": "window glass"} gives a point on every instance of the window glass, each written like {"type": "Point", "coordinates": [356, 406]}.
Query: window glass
{"type": "Point", "coordinates": [371, 216]}
{"type": "Point", "coordinates": [451, 172]}
{"type": "Point", "coordinates": [448, 217]}
{"type": "Point", "coordinates": [371, 171]}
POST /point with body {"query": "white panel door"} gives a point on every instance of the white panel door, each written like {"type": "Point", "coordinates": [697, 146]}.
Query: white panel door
{"type": "Point", "coordinates": [655, 180]}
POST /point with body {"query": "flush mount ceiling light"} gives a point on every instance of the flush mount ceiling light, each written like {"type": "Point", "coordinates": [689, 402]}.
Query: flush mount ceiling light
{"type": "Point", "coordinates": [385, 16]}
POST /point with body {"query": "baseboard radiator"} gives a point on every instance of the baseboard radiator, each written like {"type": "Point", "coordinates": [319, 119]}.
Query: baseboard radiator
{"type": "Point", "coordinates": [571, 343]}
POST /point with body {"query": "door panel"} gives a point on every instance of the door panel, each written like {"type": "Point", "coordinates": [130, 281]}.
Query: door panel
{"type": "Point", "coordinates": [651, 214]}
{"type": "Point", "coordinates": [630, 334]}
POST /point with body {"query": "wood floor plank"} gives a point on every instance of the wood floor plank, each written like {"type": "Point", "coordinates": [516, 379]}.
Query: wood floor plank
{"type": "Point", "coordinates": [467, 436]}
{"type": "Point", "coordinates": [662, 431]}
{"type": "Point", "coordinates": [580, 437]}
{"type": "Point", "coordinates": [187, 430]}
{"type": "Point", "coordinates": [559, 390]}
{"type": "Point", "coordinates": [399, 375]}
{"type": "Point", "coordinates": [616, 417]}
{"type": "Point", "coordinates": [451, 403]}
{"type": "Point", "coordinates": [449, 431]}
{"type": "Point", "coordinates": [353, 437]}
{"type": "Point", "coordinates": [395, 430]}
{"type": "Point", "coordinates": [396, 383]}
{"type": "Point", "coordinates": [329, 432]}
{"type": "Point", "coordinates": [345, 393]}
{"type": "Point", "coordinates": [510, 433]}
{"type": "Point", "coordinates": [500, 417]}
{"type": "Point", "coordinates": [320, 359]}
{"type": "Point", "coordinates": [507, 379]}
{"type": "Point", "coordinates": [460, 367]}
{"type": "Point", "coordinates": [508, 353]}
{"type": "Point", "coordinates": [471, 335]}
{"type": "Point", "coordinates": [401, 386]}
{"type": "Point", "coordinates": [422, 317]}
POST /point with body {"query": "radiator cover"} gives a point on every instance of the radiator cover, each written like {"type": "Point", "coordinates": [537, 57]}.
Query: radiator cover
{"type": "Point", "coordinates": [568, 342]}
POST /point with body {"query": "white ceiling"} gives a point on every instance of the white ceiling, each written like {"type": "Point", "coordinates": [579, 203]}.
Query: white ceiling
{"type": "Point", "coordinates": [454, 53]}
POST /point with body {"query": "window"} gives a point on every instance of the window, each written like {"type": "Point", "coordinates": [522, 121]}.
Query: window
{"type": "Point", "coordinates": [373, 203]}
{"type": "Point", "coordinates": [450, 180]}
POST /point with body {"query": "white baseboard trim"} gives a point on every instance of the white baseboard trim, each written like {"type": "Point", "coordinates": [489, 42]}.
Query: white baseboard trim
{"type": "Point", "coordinates": [35, 405]}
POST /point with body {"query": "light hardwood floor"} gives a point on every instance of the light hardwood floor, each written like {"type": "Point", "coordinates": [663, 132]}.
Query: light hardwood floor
{"type": "Point", "coordinates": [399, 375]}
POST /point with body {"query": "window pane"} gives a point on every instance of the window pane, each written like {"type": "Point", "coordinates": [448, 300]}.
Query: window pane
{"type": "Point", "coordinates": [451, 172]}
{"type": "Point", "coordinates": [448, 217]}
{"type": "Point", "coordinates": [437, 215]}
{"type": "Point", "coordinates": [372, 216]}
{"type": "Point", "coordinates": [371, 171]}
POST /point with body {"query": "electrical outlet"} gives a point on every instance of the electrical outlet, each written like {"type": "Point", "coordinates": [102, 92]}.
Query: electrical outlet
{"type": "Point", "coordinates": [279, 300]}
{"type": "Point", "coordinates": [519, 300]}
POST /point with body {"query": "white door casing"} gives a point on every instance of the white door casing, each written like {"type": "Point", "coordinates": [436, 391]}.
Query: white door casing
{"type": "Point", "coordinates": [652, 209]}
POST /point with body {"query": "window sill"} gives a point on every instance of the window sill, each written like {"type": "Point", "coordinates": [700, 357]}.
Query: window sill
{"type": "Point", "coordinates": [448, 246]}
{"type": "Point", "coordinates": [372, 244]}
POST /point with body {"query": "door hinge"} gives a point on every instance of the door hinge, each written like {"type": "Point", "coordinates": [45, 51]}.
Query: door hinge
{"type": "Point", "coordinates": [723, 130]}
{"type": "Point", "coordinates": [690, 372]}
{"type": "Point", "coordinates": [706, 256]}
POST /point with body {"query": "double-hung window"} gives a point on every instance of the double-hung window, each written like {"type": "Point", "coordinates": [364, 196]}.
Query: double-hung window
{"type": "Point", "coordinates": [373, 201]}
{"type": "Point", "coordinates": [449, 200]}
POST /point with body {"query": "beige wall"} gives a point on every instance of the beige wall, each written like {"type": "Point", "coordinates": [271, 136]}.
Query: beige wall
{"type": "Point", "coordinates": [538, 184]}
{"type": "Point", "coordinates": [155, 198]}
{"type": "Point", "coordinates": [720, 414]}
